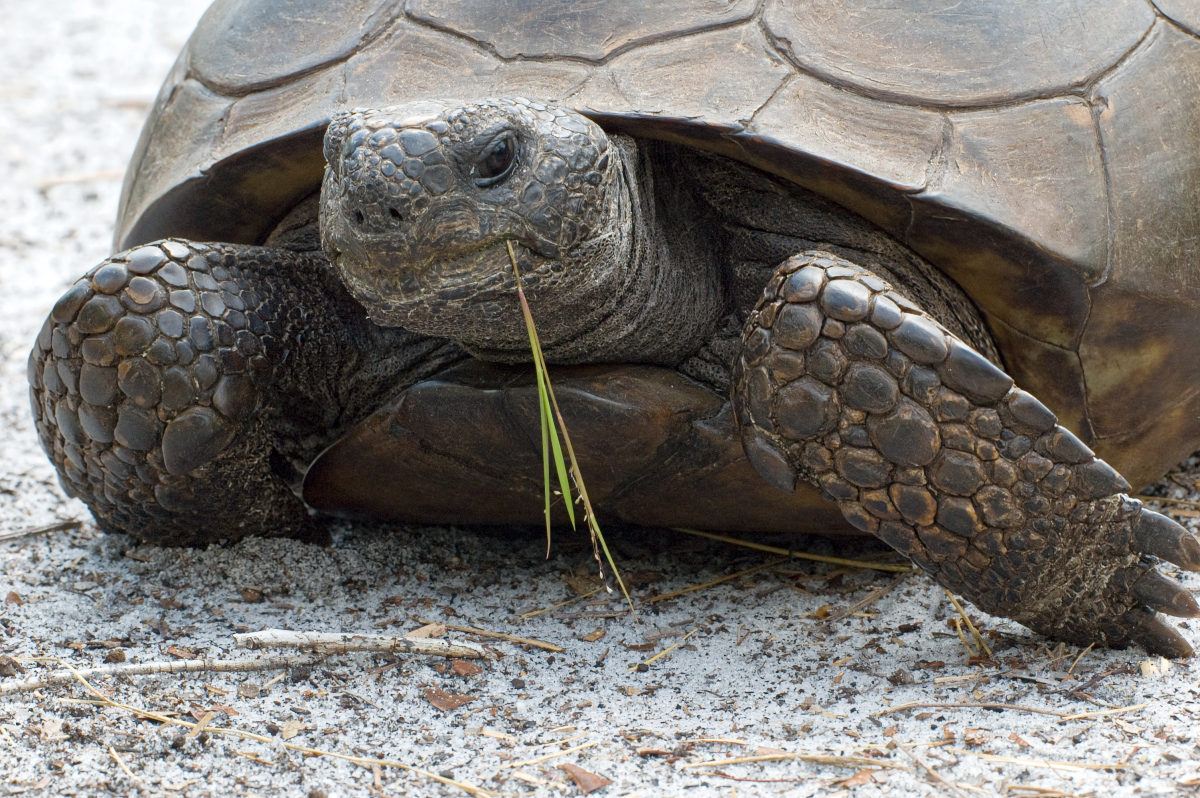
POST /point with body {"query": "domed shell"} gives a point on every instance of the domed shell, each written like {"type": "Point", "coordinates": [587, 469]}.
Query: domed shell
{"type": "Point", "coordinates": [1044, 155]}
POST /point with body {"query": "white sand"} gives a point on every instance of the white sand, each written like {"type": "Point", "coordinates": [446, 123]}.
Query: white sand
{"type": "Point", "coordinates": [76, 80]}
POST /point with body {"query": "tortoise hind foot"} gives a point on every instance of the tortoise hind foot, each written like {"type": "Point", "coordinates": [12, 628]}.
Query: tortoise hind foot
{"type": "Point", "coordinates": [147, 383]}
{"type": "Point", "coordinates": [923, 442]}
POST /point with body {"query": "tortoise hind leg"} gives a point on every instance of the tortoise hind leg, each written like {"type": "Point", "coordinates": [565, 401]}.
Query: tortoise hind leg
{"type": "Point", "coordinates": [925, 443]}
{"type": "Point", "coordinates": [174, 384]}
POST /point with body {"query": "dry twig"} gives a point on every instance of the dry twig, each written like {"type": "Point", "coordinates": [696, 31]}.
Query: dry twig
{"type": "Point", "coordinates": [933, 774]}
{"type": "Point", "coordinates": [548, 756]}
{"type": "Point", "coordinates": [1117, 711]}
{"type": "Point", "coordinates": [339, 643]}
{"type": "Point", "coordinates": [924, 705]}
{"type": "Point", "coordinates": [173, 666]}
{"type": "Point", "coordinates": [572, 600]}
{"type": "Point", "coordinates": [665, 651]}
{"type": "Point", "coordinates": [873, 597]}
{"type": "Point", "coordinates": [983, 646]}
{"type": "Point", "coordinates": [511, 638]}
{"type": "Point", "coordinates": [815, 759]}
{"type": "Point", "coordinates": [799, 555]}
{"type": "Point", "coordinates": [1167, 500]}
{"type": "Point", "coordinates": [714, 582]}
{"type": "Point", "coordinates": [61, 526]}
{"type": "Point", "coordinates": [1041, 763]}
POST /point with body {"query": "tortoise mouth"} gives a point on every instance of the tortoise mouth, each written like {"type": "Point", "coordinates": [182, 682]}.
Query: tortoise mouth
{"type": "Point", "coordinates": [433, 296]}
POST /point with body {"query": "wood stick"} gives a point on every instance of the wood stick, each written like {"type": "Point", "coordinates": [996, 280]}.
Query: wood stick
{"type": "Point", "coordinates": [573, 599]}
{"type": "Point", "coordinates": [714, 582]}
{"type": "Point", "coordinates": [548, 756]}
{"type": "Point", "coordinates": [61, 526]}
{"type": "Point", "coordinates": [511, 638]}
{"type": "Point", "coordinates": [1041, 763]}
{"type": "Point", "coordinates": [173, 666]}
{"type": "Point", "coordinates": [933, 774]}
{"type": "Point", "coordinates": [1117, 711]}
{"type": "Point", "coordinates": [816, 759]}
{"type": "Point", "coordinates": [341, 643]}
{"type": "Point", "coordinates": [974, 632]}
{"type": "Point", "coordinates": [875, 596]}
{"type": "Point", "coordinates": [923, 705]}
{"type": "Point", "coordinates": [799, 555]}
{"type": "Point", "coordinates": [1167, 500]}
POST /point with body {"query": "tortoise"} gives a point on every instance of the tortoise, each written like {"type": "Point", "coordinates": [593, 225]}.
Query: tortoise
{"type": "Point", "coordinates": [790, 264]}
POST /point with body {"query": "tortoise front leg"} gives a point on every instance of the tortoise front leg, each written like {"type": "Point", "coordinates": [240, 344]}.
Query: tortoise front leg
{"type": "Point", "coordinates": [177, 387]}
{"type": "Point", "coordinates": [923, 442]}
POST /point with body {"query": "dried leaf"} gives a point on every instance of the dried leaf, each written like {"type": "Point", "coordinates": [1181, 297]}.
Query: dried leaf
{"type": "Point", "coordinates": [975, 737]}
{"type": "Point", "coordinates": [52, 730]}
{"type": "Point", "coordinates": [229, 711]}
{"type": "Point", "coordinates": [587, 782]}
{"type": "Point", "coordinates": [581, 585]}
{"type": "Point", "coordinates": [465, 668]}
{"type": "Point", "coordinates": [592, 637]}
{"type": "Point", "coordinates": [291, 728]}
{"type": "Point", "coordinates": [860, 778]}
{"type": "Point", "coordinates": [428, 630]}
{"type": "Point", "coordinates": [252, 595]}
{"type": "Point", "coordinates": [9, 666]}
{"type": "Point", "coordinates": [13, 598]}
{"type": "Point", "coordinates": [891, 731]}
{"type": "Point", "coordinates": [446, 702]}
{"type": "Point", "coordinates": [1016, 739]}
{"type": "Point", "coordinates": [181, 653]}
{"type": "Point", "coordinates": [640, 646]}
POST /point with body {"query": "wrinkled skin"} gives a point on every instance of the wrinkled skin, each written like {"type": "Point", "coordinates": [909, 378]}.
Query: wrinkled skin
{"type": "Point", "coordinates": [182, 388]}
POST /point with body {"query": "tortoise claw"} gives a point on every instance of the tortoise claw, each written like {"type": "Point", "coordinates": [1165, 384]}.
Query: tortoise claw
{"type": "Point", "coordinates": [1161, 537]}
{"type": "Point", "coordinates": [1165, 595]}
{"type": "Point", "coordinates": [1151, 633]}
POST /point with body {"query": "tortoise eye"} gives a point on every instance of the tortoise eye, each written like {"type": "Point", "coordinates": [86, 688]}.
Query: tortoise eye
{"type": "Point", "coordinates": [497, 160]}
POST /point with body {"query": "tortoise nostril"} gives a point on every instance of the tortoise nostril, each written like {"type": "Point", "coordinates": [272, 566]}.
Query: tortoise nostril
{"type": "Point", "coordinates": [395, 214]}
{"type": "Point", "coordinates": [359, 218]}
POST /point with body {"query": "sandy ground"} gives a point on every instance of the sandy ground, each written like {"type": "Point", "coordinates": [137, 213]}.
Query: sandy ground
{"type": "Point", "coordinates": [758, 668]}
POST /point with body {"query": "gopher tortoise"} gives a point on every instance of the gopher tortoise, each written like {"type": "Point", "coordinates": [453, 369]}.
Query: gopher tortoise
{"type": "Point", "coordinates": [789, 261]}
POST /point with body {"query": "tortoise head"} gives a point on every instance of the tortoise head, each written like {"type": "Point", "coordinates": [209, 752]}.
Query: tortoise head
{"type": "Point", "coordinates": [419, 202]}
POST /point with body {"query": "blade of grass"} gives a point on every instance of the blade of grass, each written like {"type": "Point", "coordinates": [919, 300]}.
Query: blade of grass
{"type": "Point", "coordinates": [545, 461]}
{"type": "Point", "coordinates": [548, 430]}
{"type": "Point", "coordinates": [546, 390]}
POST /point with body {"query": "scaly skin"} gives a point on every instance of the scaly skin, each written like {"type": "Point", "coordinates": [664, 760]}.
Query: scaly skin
{"type": "Point", "coordinates": [921, 441]}
{"type": "Point", "coordinates": [168, 378]}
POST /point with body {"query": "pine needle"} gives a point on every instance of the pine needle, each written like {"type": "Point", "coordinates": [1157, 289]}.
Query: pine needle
{"type": "Point", "coordinates": [548, 405]}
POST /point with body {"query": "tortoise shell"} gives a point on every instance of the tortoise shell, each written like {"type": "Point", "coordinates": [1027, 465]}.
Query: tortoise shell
{"type": "Point", "coordinates": [1044, 156]}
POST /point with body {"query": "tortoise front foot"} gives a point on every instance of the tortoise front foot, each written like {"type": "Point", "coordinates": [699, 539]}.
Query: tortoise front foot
{"type": "Point", "coordinates": [148, 384]}
{"type": "Point", "coordinates": [926, 444]}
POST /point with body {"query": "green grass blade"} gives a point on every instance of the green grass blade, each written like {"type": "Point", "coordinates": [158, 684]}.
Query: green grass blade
{"type": "Point", "coordinates": [545, 461]}
{"type": "Point", "coordinates": [548, 405]}
{"type": "Point", "coordinates": [560, 463]}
